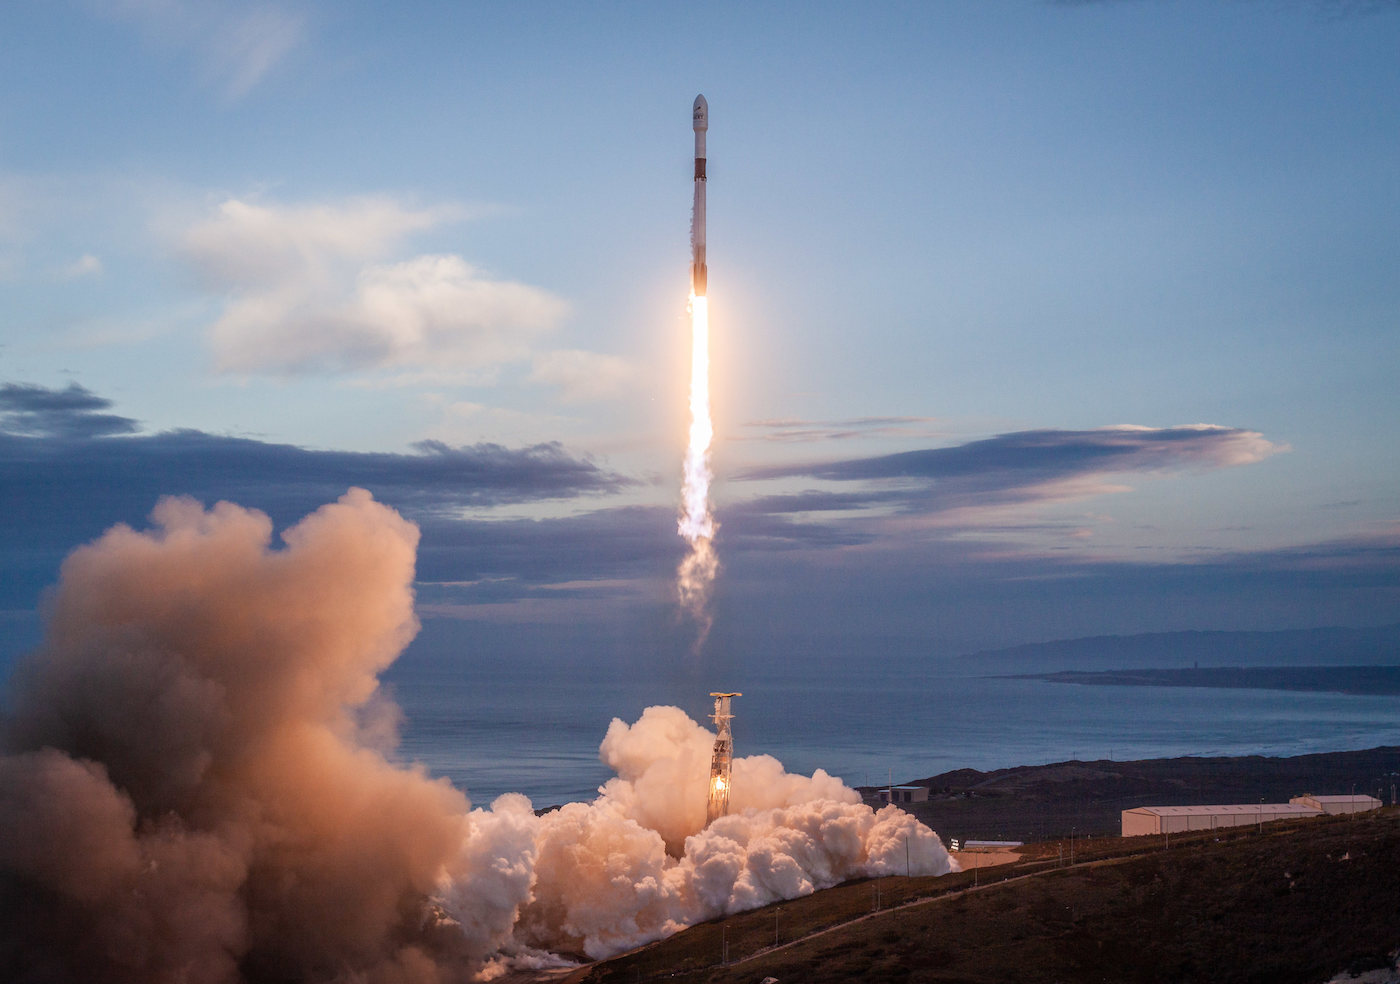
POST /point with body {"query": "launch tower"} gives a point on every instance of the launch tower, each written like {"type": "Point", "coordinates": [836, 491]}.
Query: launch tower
{"type": "Point", "coordinates": [723, 761]}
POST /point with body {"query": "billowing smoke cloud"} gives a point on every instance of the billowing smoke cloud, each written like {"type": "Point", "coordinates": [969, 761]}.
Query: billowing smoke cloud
{"type": "Point", "coordinates": [195, 785]}
{"type": "Point", "coordinates": [649, 866]}
{"type": "Point", "coordinates": [190, 788]}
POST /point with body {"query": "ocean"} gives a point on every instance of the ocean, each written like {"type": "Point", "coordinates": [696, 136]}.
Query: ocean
{"type": "Point", "coordinates": [533, 726]}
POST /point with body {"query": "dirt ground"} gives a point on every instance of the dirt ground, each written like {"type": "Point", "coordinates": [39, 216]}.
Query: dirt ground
{"type": "Point", "coordinates": [967, 860]}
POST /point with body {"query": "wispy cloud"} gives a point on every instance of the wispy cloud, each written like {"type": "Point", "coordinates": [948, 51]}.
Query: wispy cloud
{"type": "Point", "coordinates": [827, 564]}
{"type": "Point", "coordinates": [1370, 553]}
{"type": "Point", "coordinates": [1044, 454]}
{"type": "Point", "coordinates": [68, 470]}
{"type": "Point", "coordinates": [36, 411]}
{"type": "Point", "coordinates": [256, 246]}
{"type": "Point", "coordinates": [794, 431]}
{"type": "Point", "coordinates": [255, 40]}
{"type": "Point", "coordinates": [992, 482]}
{"type": "Point", "coordinates": [234, 45]}
{"type": "Point", "coordinates": [86, 265]}
{"type": "Point", "coordinates": [584, 377]}
{"type": "Point", "coordinates": [309, 291]}
{"type": "Point", "coordinates": [60, 437]}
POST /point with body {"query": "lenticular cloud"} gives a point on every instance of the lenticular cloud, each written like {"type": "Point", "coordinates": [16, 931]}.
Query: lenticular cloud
{"type": "Point", "coordinates": [195, 785]}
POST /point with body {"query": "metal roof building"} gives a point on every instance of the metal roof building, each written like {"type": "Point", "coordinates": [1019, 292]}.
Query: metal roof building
{"type": "Point", "coordinates": [904, 794]}
{"type": "Point", "coordinates": [1177, 819]}
{"type": "Point", "coordinates": [1339, 804]}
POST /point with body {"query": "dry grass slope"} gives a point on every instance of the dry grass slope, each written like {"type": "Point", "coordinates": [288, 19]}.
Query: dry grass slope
{"type": "Point", "coordinates": [1041, 801]}
{"type": "Point", "coordinates": [1298, 902]}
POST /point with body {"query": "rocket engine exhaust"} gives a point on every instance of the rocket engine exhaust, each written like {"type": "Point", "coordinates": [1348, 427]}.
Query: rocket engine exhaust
{"type": "Point", "coordinates": [696, 524]}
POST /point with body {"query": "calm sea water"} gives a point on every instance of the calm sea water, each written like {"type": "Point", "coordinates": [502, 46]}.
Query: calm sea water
{"type": "Point", "coordinates": [534, 726]}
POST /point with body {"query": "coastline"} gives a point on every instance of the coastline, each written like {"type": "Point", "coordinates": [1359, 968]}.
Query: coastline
{"type": "Point", "coordinates": [1356, 681]}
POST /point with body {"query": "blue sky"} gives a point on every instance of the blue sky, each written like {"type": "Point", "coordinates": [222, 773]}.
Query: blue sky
{"type": "Point", "coordinates": [1031, 320]}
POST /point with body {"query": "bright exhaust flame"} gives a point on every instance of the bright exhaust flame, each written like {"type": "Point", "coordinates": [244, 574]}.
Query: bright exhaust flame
{"type": "Point", "coordinates": [697, 523]}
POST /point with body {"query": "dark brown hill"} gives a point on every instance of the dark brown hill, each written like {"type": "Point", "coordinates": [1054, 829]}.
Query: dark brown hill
{"type": "Point", "coordinates": [1295, 903]}
{"type": "Point", "coordinates": [1042, 801]}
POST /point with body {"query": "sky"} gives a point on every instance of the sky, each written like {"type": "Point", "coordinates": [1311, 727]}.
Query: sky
{"type": "Point", "coordinates": [1031, 320]}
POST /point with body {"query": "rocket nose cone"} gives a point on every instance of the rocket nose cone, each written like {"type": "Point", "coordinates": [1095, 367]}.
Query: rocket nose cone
{"type": "Point", "coordinates": [700, 113]}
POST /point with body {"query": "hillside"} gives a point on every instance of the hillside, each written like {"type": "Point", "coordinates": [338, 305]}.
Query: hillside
{"type": "Point", "coordinates": [1037, 802]}
{"type": "Point", "coordinates": [1298, 902]}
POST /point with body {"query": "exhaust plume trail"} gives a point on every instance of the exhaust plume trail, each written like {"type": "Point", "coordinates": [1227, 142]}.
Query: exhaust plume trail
{"type": "Point", "coordinates": [697, 524]}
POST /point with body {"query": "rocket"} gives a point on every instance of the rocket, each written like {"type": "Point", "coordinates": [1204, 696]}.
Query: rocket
{"type": "Point", "coordinates": [700, 115]}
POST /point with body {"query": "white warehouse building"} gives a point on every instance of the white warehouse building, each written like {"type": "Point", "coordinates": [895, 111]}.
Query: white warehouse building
{"type": "Point", "coordinates": [1334, 805]}
{"type": "Point", "coordinates": [1179, 819]}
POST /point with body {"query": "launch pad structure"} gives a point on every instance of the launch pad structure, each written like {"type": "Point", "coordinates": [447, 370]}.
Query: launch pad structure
{"type": "Point", "coordinates": [722, 762]}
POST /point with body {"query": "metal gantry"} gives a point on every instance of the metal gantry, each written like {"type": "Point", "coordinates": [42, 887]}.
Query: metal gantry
{"type": "Point", "coordinates": [722, 763]}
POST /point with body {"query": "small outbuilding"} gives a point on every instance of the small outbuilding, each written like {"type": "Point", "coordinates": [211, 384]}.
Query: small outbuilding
{"type": "Point", "coordinates": [904, 794]}
{"type": "Point", "coordinates": [1179, 819]}
{"type": "Point", "coordinates": [1333, 805]}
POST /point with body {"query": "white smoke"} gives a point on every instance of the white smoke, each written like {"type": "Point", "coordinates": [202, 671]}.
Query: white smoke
{"type": "Point", "coordinates": [638, 863]}
{"type": "Point", "coordinates": [189, 789]}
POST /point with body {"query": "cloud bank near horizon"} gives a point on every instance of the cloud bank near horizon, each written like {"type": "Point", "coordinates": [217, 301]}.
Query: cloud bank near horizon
{"type": "Point", "coordinates": [69, 468]}
{"type": "Point", "coordinates": [916, 530]}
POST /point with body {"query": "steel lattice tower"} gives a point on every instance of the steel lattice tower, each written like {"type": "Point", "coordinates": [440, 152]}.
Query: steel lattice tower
{"type": "Point", "coordinates": [723, 761]}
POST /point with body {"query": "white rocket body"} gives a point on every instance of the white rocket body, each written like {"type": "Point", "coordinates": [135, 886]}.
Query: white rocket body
{"type": "Point", "coordinates": [700, 114]}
